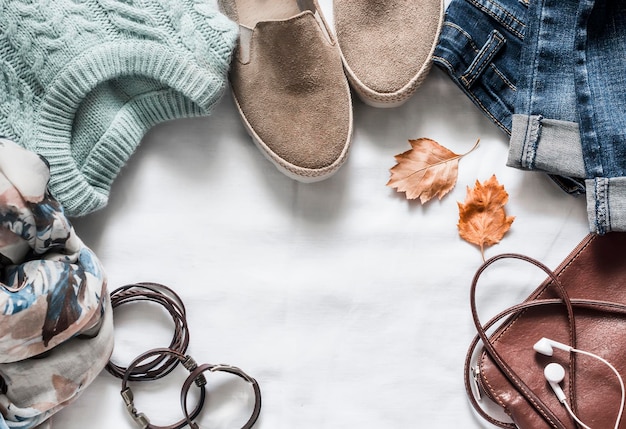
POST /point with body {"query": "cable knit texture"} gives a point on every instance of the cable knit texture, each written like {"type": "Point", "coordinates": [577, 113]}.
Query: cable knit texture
{"type": "Point", "coordinates": [81, 81]}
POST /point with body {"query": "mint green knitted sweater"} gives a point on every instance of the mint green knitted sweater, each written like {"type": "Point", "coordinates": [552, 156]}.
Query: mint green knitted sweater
{"type": "Point", "coordinates": [81, 81]}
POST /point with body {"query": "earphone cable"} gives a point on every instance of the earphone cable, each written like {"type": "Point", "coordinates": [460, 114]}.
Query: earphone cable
{"type": "Point", "coordinates": [619, 377]}
{"type": "Point", "coordinates": [571, 413]}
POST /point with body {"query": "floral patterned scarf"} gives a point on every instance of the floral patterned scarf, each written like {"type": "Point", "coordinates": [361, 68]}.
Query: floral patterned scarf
{"type": "Point", "coordinates": [56, 328]}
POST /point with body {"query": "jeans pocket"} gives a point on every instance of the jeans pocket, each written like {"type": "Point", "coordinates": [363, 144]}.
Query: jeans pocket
{"type": "Point", "coordinates": [481, 55]}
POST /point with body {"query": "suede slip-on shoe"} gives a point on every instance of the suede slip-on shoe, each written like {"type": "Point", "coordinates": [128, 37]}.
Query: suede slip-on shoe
{"type": "Point", "coordinates": [289, 86]}
{"type": "Point", "coordinates": [387, 46]}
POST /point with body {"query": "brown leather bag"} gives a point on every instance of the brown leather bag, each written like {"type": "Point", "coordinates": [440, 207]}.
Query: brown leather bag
{"type": "Point", "coordinates": [582, 304]}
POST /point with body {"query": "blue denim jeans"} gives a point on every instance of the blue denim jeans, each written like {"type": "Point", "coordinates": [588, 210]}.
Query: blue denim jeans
{"type": "Point", "coordinates": [551, 74]}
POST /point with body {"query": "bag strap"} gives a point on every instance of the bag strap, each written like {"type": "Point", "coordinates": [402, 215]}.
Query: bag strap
{"type": "Point", "coordinates": [542, 409]}
{"type": "Point", "coordinates": [508, 372]}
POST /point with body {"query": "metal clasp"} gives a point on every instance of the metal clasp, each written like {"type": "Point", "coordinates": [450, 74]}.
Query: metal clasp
{"type": "Point", "coordinates": [475, 373]}
{"type": "Point", "coordinates": [140, 418]}
{"type": "Point", "coordinates": [233, 370]}
{"type": "Point", "coordinates": [191, 365]}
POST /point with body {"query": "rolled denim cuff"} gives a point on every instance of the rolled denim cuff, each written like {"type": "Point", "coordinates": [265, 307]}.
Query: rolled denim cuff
{"type": "Point", "coordinates": [554, 147]}
{"type": "Point", "coordinates": [548, 145]}
{"type": "Point", "coordinates": [606, 204]}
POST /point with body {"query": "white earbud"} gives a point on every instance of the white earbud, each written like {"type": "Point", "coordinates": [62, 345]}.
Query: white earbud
{"type": "Point", "coordinates": [546, 346]}
{"type": "Point", "coordinates": [555, 373]}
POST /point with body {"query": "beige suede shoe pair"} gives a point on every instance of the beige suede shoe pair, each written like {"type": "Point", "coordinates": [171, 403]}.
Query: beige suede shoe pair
{"type": "Point", "coordinates": [288, 76]}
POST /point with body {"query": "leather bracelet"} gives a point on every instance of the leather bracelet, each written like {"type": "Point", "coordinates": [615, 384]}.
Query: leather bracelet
{"type": "Point", "coordinates": [127, 395]}
{"type": "Point", "coordinates": [195, 375]}
{"type": "Point", "coordinates": [162, 364]}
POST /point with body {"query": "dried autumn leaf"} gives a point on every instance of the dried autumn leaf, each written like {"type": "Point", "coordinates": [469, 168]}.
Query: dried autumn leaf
{"type": "Point", "coordinates": [482, 219]}
{"type": "Point", "coordinates": [426, 170]}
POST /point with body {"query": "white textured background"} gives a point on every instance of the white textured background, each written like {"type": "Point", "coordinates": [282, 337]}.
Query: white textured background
{"type": "Point", "coordinates": [348, 303]}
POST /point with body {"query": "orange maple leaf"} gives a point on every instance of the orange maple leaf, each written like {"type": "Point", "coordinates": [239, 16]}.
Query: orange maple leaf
{"type": "Point", "coordinates": [482, 219]}
{"type": "Point", "coordinates": [426, 170]}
